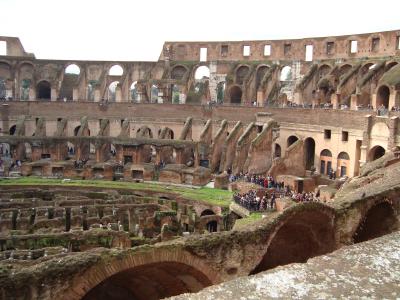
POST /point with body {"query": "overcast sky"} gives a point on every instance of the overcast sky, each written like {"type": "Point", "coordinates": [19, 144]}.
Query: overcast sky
{"type": "Point", "coordinates": [136, 30]}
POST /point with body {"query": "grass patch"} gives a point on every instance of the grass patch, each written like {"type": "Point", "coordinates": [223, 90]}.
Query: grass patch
{"type": "Point", "coordinates": [205, 194]}
{"type": "Point", "coordinates": [254, 216]}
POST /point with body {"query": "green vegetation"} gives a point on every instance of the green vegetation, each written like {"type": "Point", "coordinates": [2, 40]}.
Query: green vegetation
{"type": "Point", "coordinates": [255, 216]}
{"type": "Point", "coordinates": [209, 195]}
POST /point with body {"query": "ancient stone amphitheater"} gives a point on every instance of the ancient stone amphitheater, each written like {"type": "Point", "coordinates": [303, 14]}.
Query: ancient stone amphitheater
{"type": "Point", "coordinates": [103, 167]}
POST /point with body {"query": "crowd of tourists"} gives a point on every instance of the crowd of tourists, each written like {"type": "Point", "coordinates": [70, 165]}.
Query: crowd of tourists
{"type": "Point", "coordinates": [263, 181]}
{"type": "Point", "coordinates": [260, 200]}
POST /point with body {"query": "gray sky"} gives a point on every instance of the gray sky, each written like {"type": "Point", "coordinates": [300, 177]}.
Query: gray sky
{"type": "Point", "coordinates": [136, 30]}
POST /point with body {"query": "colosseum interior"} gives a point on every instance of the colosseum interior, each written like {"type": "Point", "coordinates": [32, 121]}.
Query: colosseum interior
{"type": "Point", "coordinates": [126, 180]}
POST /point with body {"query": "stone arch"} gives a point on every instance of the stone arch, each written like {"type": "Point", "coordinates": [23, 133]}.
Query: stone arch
{"type": "Point", "coordinates": [325, 161]}
{"type": "Point", "coordinates": [221, 91]}
{"type": "Point", "coordinates": [26, 71]}
{"type": "Point", "coordinates": [43, 90]}
{"type": "Point", "coordinates": [343, 69]}
{"type": "Point", "coordinates": [286, 73]}
{"type": "Point", "coordinates": [178, 72]}
{"type": "Point", "coordinates": [207, 212]}
{"type": "Point", "coordinates": [116, 70]}
{"type": "Point", "coordinates": [376, 152]}
{"type": "Point", "coordinates": [291, 140]}
{"type": "Point", "coordinates": [366, 67]}
{"type": "Point", "coordinates": [343, 164]}
{"type": "Point", "coordinates": [235, 93]}
{"type": "Point", "coordinates": [379, 219]}
{"type": "Point", "coordinates": [72, 69]}
{"type": "Point", "coordinates": [324, 70]}
{"type": "Point", "coordinates": [12, 129]}
{"type": "Point", "coordinates": [382, 96]}
{"type": "Point", "coordinates": [302, 233]}
{"type": "Point", "coordinates": [144, 132]}
{"type": "Point", "coordinates": [167, 133]}
{"type": "Point", "coordinates": [261, 70]}
{"type": "Point", "coordinates": [241, 73]}
{"type": "Point", "coordinates": [390, 65]}
{"type": "Point", "coordinates": [133, 92]}
{"type": "Point", "coordinates": [155, 274]}
{"type": "Point", "coordinates": [309, 152]}
{"type": "Point", "coordinates": [112, 91]}
{"type": "Point", "coordinates": [154, 91]}
{"type": "Point", "coordinates": [277, 151]}
{"type": "Point", "coordinates": [202, 72]}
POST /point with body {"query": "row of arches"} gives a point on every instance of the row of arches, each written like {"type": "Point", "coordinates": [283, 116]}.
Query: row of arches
{"type": "Point", "coordinates": [303, 234]}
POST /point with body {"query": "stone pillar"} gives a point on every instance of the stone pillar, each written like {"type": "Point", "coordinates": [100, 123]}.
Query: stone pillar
{"type": "Point", "coordinates": [335, 100]}
{"type": "Point", "coordinates": [53, 94]}
{"type": "Point", "coordinates": [297, 98]}
{"type": "Point", "coordinates": [97, 95]}
{"type": "Point", "coordinates": [392, 100]}
{"type": "Point", "coordinates": [363, 155]}
{"type": "Point", "coordinates": [32, 94]}
{"type": "Point", "coordinates": [118, 94]}
{"type": "Point", "coordinates": [354, 101]}
{"type": "Point", "coordinates": [393, 123]}
{"type": "Point", "coordinates": [75, 94]}
{"type": "Point", "coordinates": [373, 101]}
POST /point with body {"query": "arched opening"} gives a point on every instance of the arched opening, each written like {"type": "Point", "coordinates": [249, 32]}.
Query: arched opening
{"type": "Point", "coordinates": [112, 91]}
{"type": "Point", "coordinates": [260, 75]}
{"type": "Point", "coordinates": [304, 235]}
{"type": "Point", "coordinates": [91, 89]}
{"type": "Point", "coordinates": [278, 151]}
{"type": "Point", "coordinates": [73, 69]}
{"type": "Point", "coordinates": [212, 226]}
{"type": "Point", "coordinates": [324, 70]}
{"type": "Point", "coordinates": [152, 281]}
{"type": "Point", "coordinates": [382, 97]}
{"type": "Point", "coordinates": [167, 133]}
{"type": "Point", "coordinates": [76, 130]}
{"type": "Point", "coordinates": [202, 72]}
{"type": "Point", "coordinates": [325, 161]}
{"type": "Point", "coordinates": [116, 70]}
{"type": "Point", "coordinates": [343, 163]}
{"type": "Point", "coordinates": [220, 92]}
{"type": "Point", "coordinates": [236, 94]}
{"type": "Point", "coordinates": [390, 65]}
{"type": "Point", "coordinates": [375, 153]}
{"type": "Point", "coordinates": [175, 94]}
{"type": "Point", "coordinates": [207, 212]}
{"type": "Point", "coordinates": [5, 150]}
{"type": "Point", "coordinates": [178, 72]}
{"type": "Point", "coordinates": [144, 132]}
{"type": "Point", "coordinates": [241, 74]}
{"type": "Point", "coordinates": [154, 94]}
{"type": "Point", "coordinates": [379, 220]}
{"type": "Point", "coordinates": [43, 90]}
{"type": "Point", "coordinates": [286, 74]}
{"type": "Point", "coordinates": [344, 69]}
{"type": "Point", "coordinates": [133, 92]}
{"type": "Point", "coordinates": [71, 148]}
{"type": "Point", "coordinates": [309, 144]}
{"type": "Point", "coordinates": [25, 88]}
{"type": "Point", "coordinates": [291, 140]}
{"type": "Point", "coordinates": [12, 129]}
{"type": "Point", "coordinates": [3, 91]}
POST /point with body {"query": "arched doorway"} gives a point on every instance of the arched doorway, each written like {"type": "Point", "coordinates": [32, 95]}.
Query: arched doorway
{"type": "Point", "coordinates": [325, 161]}
{"type": "Point", "coordinates": [178, 72]}
{"type": "Point", "coordinates": [291, 140]}
{"type": "Point", "coordinates": [12, 129]}
{"type": "Point", "coordinates": [309, 156]}
{"type": "Point", "coordinates": [304, 235]}
{"type": "Point", "coordinates": [133, 92]}
{"type": "Point", "coordinates": [152, 281]}
{"type": "Point", "coordinates": [112, 91]}
{"type": "Point", "coordinates": [343, 161]}
{"type": "Point", "coordinates": [154, 94]}
{"type": "Point", "coordinates": [43, 90]}
{"type": "Point", "coordinates": [379, 220]}
{"type": "Point", "coordinates": [260, 75]}
{"type": "Point", "coordinates": [375, 153]}
{"type": "Point", "coordinates": [220, 92]}
{"type": "Point", "coordinates": [236, 94]}
{"type": "Point", "coordinates": [116, 70]}
{"type": "Point", "coordinates": [241, 74]}
{"type": "Point", "coordinates": [286, 74]}
{"type": "Point", "coordinates": [382, 97]}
